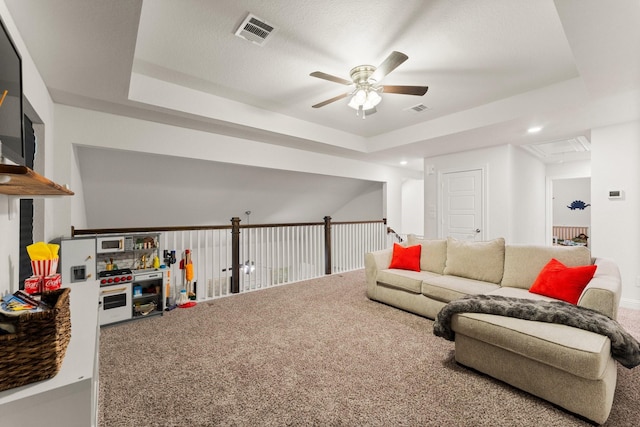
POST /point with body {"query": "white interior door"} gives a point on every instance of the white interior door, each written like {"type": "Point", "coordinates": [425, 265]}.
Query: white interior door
{"type": "Point", "coordinates": [462, 205]}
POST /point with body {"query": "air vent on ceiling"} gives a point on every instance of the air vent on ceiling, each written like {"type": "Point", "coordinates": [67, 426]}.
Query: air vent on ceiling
{"type": "Point", "coordinates": [255, 29]}
{"type": "Point", "coordinates": [417, 108]}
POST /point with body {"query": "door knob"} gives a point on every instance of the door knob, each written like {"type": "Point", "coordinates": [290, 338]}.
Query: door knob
{"type": "Point", "coordinates": [477, 230]}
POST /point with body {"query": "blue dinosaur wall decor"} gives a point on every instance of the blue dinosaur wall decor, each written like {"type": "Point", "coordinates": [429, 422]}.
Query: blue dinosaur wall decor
{"type": "Point", "coordinates": [578, 204]}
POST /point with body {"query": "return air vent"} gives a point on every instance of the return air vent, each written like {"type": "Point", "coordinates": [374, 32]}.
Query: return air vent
{"type": "Point", "coordinates": [417, 108]}
{"type": "Point", "coordinates": [255, 30]}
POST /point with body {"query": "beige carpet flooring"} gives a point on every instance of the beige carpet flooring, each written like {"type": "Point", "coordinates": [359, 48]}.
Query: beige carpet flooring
{"type": "Point", "coordinates": [314, 353]}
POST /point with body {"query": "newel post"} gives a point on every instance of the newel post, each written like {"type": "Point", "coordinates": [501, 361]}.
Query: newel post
{"type": "Point", "coordinates": [327, 245]}
{"type": "Point", "coordinates": [235, 255]}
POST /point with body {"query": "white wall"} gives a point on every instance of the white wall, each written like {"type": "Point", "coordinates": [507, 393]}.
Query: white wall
{"type": "Point", "coordinates": [527, 195]}
{"type": "Point", "coordinates": [367, 206]}
{"type": "Point", "coordinates": [577, 169]}
{"type": "Point", "coordinates": [412, 208]}
{"type": "Point", "coordinates": [615, 223]}
{"type": "Point", "coordinates": [565, 191]}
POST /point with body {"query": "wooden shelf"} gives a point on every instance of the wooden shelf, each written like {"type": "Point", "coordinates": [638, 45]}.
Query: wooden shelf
{"type": "Point", "coordinates": [25, 182]}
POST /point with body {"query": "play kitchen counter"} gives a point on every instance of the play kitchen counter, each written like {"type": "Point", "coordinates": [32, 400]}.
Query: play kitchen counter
{"type": "Point", "coordinates": [130, 284]}
{"type": "Point", "coordinates": [68, 399]}
{"type": "Point", "coordinates": [127, 294]}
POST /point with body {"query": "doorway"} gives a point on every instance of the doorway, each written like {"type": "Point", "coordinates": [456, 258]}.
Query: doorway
{"type": "Point", "coordinates": [571, 210]}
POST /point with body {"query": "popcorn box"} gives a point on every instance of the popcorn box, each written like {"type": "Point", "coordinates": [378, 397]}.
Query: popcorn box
{"type": "Point", "coordinates": [45, 267]}
{"type": "Point", "coordinates": [34, 285]}
{"type": "Point", "coordinates": [52, 282]}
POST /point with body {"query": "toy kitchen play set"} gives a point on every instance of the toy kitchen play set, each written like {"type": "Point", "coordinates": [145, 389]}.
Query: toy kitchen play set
{"type": "Point", "coordinates": [127, 269]}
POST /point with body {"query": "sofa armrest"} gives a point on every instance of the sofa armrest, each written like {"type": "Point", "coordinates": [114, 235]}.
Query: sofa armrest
{"type": "Point", "coordinates": [374, 262]}
{"type": "Point", "coordinates": [603, 291]}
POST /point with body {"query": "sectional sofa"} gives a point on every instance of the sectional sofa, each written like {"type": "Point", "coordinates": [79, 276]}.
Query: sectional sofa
{"type": "Point", "coordinates": [570, 367]}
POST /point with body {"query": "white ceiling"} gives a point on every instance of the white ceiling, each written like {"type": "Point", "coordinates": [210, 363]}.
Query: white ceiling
{"type": "Point", "coordinates": [494, 68]}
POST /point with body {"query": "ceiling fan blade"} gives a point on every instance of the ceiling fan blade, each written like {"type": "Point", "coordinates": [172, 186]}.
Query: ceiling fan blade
{"type": "Point", "coordinates": [391, 63]}
{"type": "Point", "coordinates": [406, 90]}
{"type": "Point", "coordinates": [325, 76]}
{"type": "Point", "coordinates": [329, 101]}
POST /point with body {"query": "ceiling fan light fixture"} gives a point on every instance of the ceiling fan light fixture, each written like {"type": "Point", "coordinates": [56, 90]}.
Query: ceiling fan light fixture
{"type": "Point", "coordinates": [364, 98]}
{"type": "Point", "coordinates": [373, 99]}
{"type": "Point", "coordinates": [358, 99]}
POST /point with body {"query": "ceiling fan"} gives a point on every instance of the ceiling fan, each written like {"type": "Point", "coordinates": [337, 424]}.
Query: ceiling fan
{"type": "Point", "coordinates": [366, 78]}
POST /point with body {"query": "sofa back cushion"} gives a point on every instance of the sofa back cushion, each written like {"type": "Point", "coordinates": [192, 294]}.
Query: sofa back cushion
{"type": "Point", "coordinates": [475, 260]}
{"type": "Point", "coordinates": [433, 255]}
{"type": "Point", "coordinates": [523, 263]}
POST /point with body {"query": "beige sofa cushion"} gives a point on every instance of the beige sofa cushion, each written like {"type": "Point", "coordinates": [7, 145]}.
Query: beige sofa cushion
{"type": "Point", "coordinates": [522, 263]}
{"type": "Point", "coordinates": [475, 260]}
{"type": "Point", "coordinates": [433, 255]}
{"type": "Point", "coordinates": [403, 279]}
{"type": "Point", "coordinates": [449, 288]}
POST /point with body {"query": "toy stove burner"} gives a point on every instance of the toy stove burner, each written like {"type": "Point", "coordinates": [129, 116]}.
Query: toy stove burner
{"type": "Point", "coordinates": [112, 277]}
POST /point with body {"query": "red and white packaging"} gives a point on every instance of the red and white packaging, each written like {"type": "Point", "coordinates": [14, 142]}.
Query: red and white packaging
{"type": "Point", "coordinates": [52, 282]}
{"type": "Point", "coordinates": [45, 267]}
{"type": "Point", "coordinates": [33, 285]}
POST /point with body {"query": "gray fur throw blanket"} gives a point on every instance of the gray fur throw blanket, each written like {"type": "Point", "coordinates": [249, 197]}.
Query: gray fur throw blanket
{"type": "Point", "coordinates": [624, 348]}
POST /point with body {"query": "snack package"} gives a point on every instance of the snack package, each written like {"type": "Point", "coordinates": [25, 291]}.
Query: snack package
{"type": "Point", "coordinates": [34, 285]}
{"type": "Point", "coordinates": [44, 258]}
{"type": "Point", "coordinates": [44, 267]}
{"type": "Point", "coordinates": [52, 282]}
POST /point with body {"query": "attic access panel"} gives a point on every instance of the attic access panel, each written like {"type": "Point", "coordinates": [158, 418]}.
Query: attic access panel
{"type": "Point", "coordinates": [560, 149]}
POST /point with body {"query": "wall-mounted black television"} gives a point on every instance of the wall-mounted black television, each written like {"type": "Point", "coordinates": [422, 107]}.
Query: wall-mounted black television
{"type": "Point", "coordinates": [11, 109]}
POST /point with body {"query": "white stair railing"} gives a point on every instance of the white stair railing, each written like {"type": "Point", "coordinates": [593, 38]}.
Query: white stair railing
{"type": "Point", "coordinates": [269, 255]}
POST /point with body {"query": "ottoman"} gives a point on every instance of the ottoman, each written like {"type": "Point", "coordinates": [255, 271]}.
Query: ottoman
{"type": "Point", "coordinates": [569, 367]}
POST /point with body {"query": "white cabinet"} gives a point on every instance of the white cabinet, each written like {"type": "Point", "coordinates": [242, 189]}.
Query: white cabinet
{"type": "Point", "coordinates": [70, 398]}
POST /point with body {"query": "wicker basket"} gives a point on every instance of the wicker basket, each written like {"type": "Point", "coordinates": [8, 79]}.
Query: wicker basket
{"type": "Point", "coordinates": [35, 352]}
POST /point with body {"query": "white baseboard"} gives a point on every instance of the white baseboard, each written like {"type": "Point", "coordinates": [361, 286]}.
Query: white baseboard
{"type": "Point", "coordinates": [630, 303]}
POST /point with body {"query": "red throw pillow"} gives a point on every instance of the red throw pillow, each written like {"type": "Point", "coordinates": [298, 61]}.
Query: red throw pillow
{"type": "Point", "coordinates": [406, 258]}
{"type": "Point", "coordinates": [556, 280]}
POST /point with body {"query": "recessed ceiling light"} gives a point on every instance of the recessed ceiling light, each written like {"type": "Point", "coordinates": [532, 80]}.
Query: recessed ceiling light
{"type": "Point", "coordinates": [534, 129]}
{"type": "Point", "coordinates": [403, 162]}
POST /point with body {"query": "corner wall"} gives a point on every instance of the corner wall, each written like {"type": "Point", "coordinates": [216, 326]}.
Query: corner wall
{"type": "Point", "coordinates": [616, 222]}
{"type": "Point", "coordinates": [412, 208]}
{"type": "Point", "coordinates": [527, 199]}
